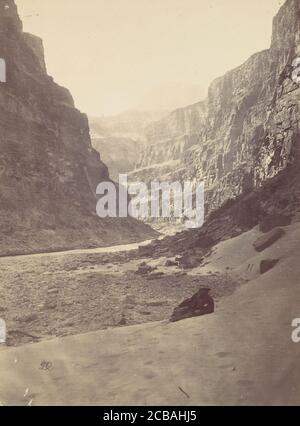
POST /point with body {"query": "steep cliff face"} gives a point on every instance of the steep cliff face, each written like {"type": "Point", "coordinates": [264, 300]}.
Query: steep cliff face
{"type": "Point", "coordinates": [246, 131]}
{"type": "Point", "coordinates": [48, 168]}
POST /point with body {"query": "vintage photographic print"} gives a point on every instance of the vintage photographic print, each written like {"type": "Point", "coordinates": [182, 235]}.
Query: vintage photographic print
{"type": "Point", "coordinates": [149, 205]}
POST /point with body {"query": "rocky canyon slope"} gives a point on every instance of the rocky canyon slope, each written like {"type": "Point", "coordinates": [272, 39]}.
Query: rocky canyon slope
{"type": "Point", "coordinates": [48, 168]}
{"type": "Point", "coordinates": [245, 132]}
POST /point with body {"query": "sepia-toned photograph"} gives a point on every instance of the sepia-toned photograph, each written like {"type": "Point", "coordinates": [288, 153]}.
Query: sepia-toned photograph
{"type": "Point", "coordinates": [149, 206]}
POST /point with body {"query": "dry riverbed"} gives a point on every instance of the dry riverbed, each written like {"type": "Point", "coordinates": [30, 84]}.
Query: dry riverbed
{"type": "Point", "coordinates": [52, 295]}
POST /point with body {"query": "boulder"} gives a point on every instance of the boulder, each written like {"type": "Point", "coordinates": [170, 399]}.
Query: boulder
{"type": "Point", "coordinates": [122, 321]}
{"type": "Point", "coordinates": [170, 263]}
{"type": "Point", "coordinates": [267, 264]}
{"type": "Point", "coordinates": [199, 304]}
{"type": "Point", "coordinates": [188, 261]}
{"type": "Point", "coordinates": [268, 239]}
{"type": "Point", "coordinates": [144, 269]}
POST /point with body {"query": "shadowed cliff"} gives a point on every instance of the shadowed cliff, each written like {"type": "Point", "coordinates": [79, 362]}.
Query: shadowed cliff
{"type": "Point", "coordinates": [48, 168]}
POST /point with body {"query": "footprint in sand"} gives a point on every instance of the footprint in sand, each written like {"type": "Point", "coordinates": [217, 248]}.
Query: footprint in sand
{"type": "Point", "coordinates": [149, 376]}
{"type": "Point", "coordinates": [113, 371]}
{"type": "Point", "coordinates": [225, 366]}
{"type": "Point", "coordinates": [246, 383]}
{"type": "Point", "coordinates": [223, 354]}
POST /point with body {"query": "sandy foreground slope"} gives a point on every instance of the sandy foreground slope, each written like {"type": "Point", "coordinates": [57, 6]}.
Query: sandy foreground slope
{"type": "Point", "coordinates": [241, 354]}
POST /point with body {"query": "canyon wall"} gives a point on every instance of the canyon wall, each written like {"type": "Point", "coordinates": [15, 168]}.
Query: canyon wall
{"type": "Point", "coordinates": [245, 132]}
{"type": "Point", "coordinates": [48, 168]}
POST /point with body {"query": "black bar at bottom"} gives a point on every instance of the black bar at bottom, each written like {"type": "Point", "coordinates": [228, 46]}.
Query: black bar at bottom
{"type": "Point", "coordinates": [136, 415]}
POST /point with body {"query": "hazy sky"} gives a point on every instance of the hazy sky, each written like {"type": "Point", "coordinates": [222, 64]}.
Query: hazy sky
{"type": "Point", "coordinates": [119, 54]}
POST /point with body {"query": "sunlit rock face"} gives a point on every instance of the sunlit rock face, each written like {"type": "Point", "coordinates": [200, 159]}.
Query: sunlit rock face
{"type": "Point", "coordinates": [48, 168]}
{"type": "Point", "coordinates": [246, 131]}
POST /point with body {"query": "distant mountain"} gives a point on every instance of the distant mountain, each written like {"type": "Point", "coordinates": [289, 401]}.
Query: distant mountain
{"type": "Point", "coordinates": [121, 138]}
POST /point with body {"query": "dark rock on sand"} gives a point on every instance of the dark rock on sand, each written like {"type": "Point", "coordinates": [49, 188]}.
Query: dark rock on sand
{"type": "Point", "coordinates": [199, 304]}
{"type": "Point", "coordinates": [170, 263]}
{"type": "Point", "coordinates": [122, 321]}
{"type": "Point", "coordinates": [189, 261]}
{"type": "Point", "coordinates": [267, 264]}
{"type": "Point", "coordinates": [268, 239]}
{"type": "Point", "coordinates": [144, 269]}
